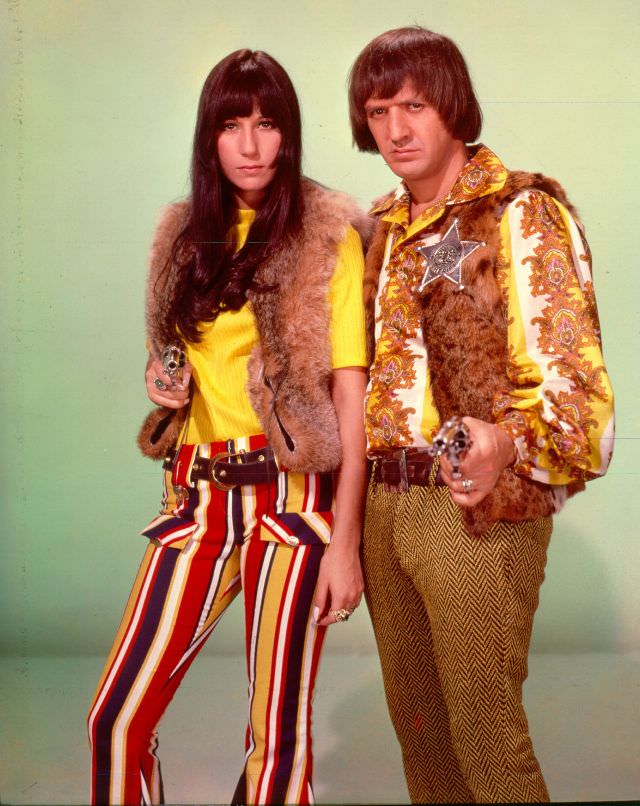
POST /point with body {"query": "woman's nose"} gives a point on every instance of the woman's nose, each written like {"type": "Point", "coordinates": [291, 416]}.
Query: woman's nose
{"type": "Point", "coordinates": [249, 142]}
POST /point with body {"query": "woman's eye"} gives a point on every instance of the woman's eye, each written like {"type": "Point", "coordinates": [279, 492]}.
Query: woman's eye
{"type": "Point", "coordinates": [266, 124]}
{"type": "Point", "coordinates": [229, 125]}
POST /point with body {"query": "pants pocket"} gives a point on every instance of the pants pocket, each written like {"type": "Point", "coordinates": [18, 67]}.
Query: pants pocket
{"type": "Point", "coordinates": [175, 522]}
{"type": "Point", "coordinates": [167, 530]}
{"type": "Point", "coordinates": [297, 528]}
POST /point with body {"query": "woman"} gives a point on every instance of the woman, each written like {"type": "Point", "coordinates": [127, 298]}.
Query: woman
{"type": "Point", "coordinates": [258, 278]}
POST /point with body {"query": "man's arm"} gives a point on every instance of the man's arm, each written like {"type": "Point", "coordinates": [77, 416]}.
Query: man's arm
{"type": "Point", "coordinates": [558, 408]}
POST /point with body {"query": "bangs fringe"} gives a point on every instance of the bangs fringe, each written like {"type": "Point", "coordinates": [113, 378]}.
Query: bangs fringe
{"type": "Point", "coordinates": [247, 89]}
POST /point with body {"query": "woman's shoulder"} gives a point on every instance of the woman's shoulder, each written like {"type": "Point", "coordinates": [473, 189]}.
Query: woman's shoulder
{"type": "Point", "coordinates": [171, 221]}
{"type": "Point", "coordinates": [172, 217]}
{"type": "Point", "coordinates": [323, 204]}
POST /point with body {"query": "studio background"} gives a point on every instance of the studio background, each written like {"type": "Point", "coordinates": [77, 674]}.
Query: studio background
{"type": "Point", "coordinates": [98, 108]}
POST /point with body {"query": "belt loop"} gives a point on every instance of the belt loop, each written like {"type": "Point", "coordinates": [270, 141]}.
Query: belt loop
{"type": "Point", "coordinates": [373, 485]}
{"type": "Point", "coordinates": [433, 473]}
{"type": "Point", "coordinates": [403, 484]}
{"type": "Point", "coordinates": [181, 493]}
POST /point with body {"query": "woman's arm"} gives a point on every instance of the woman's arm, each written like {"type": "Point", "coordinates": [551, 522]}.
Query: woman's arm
{"type": "Point", "coordinates": [340, 582]}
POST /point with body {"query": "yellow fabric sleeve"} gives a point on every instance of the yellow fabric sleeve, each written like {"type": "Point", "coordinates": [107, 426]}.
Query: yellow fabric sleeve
{"type": "Point", "coordinates": [220, 408]}
{"type": "Point", "coordinates": [348, 342]}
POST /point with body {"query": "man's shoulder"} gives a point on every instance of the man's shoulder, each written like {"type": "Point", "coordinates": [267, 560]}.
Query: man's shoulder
{"type": "Point", "coordinates": [535, 185]}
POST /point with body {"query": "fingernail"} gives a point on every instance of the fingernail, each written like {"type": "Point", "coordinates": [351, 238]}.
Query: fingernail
{"type": "Point", "coordinates": [316, 613]}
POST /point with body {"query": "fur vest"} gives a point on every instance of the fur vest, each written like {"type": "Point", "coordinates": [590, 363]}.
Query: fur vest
{"type": "Point", "coordinates": [465, 333]}
{"type": "Point", "coordinates": [290, 368]}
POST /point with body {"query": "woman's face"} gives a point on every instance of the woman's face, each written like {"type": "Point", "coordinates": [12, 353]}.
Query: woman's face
{"type": "Point", "coordinates": [248, 150]}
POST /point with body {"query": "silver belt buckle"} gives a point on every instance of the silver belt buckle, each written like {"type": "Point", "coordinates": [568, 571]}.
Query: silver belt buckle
{"type": "Point", "coordinates": [217, 476]}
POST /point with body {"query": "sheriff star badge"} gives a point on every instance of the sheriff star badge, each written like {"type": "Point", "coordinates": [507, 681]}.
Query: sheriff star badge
{"type": "Point", "coordinates": [444, 259]}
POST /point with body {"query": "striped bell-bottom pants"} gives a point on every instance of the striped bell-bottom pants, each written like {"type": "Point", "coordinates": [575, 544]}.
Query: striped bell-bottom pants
{"type": "Point", "coordinates": [452, 617]}
{"type": "Point", "coordinates": [265, 540]}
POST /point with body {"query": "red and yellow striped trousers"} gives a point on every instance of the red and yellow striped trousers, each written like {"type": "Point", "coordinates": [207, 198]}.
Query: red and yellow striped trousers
{"type": "Point", "coordinates": [265, 540]}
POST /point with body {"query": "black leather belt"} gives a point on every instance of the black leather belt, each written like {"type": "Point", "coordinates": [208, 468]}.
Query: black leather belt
{"type": "Point", "coordinates": [226, 470]}
{"type": "Point", "coordinates": [399, 467]}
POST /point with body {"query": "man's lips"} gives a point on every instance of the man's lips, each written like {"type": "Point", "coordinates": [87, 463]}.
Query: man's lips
{"type": "Point", "coordinates": [399, 153]}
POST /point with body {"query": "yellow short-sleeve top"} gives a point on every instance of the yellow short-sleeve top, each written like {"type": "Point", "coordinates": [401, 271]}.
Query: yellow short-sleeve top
{"type": "Point", "coordinates": [220, 407]}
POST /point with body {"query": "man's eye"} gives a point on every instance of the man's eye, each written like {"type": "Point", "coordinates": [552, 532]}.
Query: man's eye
{"type": "Point", "coordinates": [416, 106]}
{"type": "Point", "coordinates": [375, 113]}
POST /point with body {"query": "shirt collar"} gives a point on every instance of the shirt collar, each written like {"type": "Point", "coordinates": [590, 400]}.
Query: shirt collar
{"type": "Point", "coordinates": [483, 174]}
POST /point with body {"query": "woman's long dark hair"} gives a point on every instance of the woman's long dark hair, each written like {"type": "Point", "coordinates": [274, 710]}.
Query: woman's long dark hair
{"type": "Point", "coordinates": [213, 276]}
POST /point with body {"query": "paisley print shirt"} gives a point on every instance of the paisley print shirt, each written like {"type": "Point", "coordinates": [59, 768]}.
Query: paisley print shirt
{"type": "Point", "coordinates": [559, 410]}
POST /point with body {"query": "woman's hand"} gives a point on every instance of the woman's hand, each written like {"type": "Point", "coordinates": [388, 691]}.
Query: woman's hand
{"type": "Point", "coordinates": [174, 396]}
{"type": "Point", "coordinates": [340, 582]}
{"type": "Point", "coordinates": [492, 450]}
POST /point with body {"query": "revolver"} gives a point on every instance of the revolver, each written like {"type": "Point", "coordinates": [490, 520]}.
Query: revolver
{"type": "Point", "coordinates": [453, 440]}
{"type": "Point", "coordinates": [173, 360]}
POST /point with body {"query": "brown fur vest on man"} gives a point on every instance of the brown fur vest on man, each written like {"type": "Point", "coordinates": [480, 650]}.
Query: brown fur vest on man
{"type": "Point", "coordinates": [465, 333]}
{"type": "Point", "coordinates": [290, 368]}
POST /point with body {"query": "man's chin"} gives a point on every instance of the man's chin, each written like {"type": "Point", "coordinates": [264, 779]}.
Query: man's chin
{"type": "Point", "coordinates": [405, 172]}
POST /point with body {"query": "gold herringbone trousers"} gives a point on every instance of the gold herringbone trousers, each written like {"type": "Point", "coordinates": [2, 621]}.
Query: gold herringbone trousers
{"type": "Point", "coordinates": [452, 617]}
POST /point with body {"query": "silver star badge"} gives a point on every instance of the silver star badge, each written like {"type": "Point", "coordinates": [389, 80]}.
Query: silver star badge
{"type": "Point", "coordinates": [444, 259]}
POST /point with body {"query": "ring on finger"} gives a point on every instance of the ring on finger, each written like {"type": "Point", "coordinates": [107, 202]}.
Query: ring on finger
{"type": "Point", "coordinates": [341, 615]}
{"type": "Point", "coordinates": [467, 485]}
{"type": "Point", "coordinates": [159, 384]}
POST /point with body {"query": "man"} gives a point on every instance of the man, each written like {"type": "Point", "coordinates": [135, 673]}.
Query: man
{"type": "Point", "coordinates": [480, 298]}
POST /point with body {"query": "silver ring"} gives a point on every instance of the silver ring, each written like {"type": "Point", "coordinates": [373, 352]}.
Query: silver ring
{"type": "Point", "coordinates": [160, 384]}
{"type": "Point", "coordinates": [467, 485]}
{"type": "Point", "coordinates": [340, 615]}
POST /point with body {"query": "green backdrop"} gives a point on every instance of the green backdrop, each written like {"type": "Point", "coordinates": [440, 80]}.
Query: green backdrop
{"type": "Point", "coordinates": [98, 106]}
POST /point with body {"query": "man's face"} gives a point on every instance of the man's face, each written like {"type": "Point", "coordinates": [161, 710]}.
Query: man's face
{"type": "Point", "coordinates": [410, 135]}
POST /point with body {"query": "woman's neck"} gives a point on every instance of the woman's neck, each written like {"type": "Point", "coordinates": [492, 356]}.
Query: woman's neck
{"type": "Point", "coordinates": [248, 199]}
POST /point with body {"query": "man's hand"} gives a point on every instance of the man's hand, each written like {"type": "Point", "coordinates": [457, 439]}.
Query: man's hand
{"type": "Point", "coordinates": [173, 397]}
{"type": "Point", "coordinates": [492, 450]}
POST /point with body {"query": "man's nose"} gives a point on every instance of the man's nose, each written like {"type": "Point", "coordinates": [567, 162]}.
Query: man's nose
{"type": "Point", "coordinates": [398, 129]}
